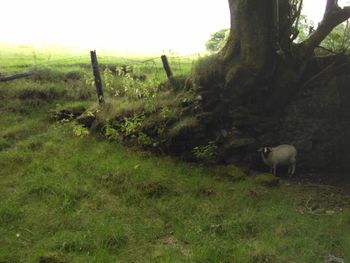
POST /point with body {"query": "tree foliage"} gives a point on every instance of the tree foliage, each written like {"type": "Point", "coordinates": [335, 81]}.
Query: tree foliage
{"type": "Point", "coordinates": [217, 40]}
{"type": "Point", "coordinates": [338, 41]}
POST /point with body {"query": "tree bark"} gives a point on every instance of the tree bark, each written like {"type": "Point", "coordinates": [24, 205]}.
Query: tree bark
{"type": "Point", "coordinates": [252, 33]}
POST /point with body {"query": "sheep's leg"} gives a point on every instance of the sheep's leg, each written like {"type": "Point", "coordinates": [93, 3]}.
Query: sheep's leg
{"type": "Point", "coordinates": [289, 169]}
{"type": "Point", "coordinates": [293, 169]}
{"type": "Point", "coordinates": [274, 168]}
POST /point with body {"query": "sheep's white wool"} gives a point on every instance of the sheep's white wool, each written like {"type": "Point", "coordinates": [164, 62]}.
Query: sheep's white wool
{"type": "Point", "coordinates": [280, 155]}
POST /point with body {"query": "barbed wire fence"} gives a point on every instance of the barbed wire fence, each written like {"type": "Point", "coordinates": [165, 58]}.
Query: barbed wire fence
{"type": "Point", "coordinates": [179, 64]}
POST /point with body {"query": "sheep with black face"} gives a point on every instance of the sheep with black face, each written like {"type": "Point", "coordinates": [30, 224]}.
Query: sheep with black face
{"type": "Point", "coordinates": [280, 155]}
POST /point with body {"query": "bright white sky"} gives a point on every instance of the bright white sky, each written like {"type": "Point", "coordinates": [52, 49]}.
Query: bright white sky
{"type": "Point", "coordinates": [122, 25]}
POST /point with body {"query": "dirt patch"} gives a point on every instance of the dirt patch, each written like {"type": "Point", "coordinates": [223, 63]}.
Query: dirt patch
{"type": "Point", "coordinates": [172, 241]}
{"type": "Point", "coordinates": [325, 200]}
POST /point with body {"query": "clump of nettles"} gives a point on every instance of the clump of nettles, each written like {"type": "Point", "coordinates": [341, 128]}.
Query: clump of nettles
{"type": "Point", "coordinates": [130, 128]}
{"type": "Point", "coordinates": [129, 84]}
{"type": "Point", "coordinates": [80, 130]}
{"type": "Point", "coordinates": [206, 152]}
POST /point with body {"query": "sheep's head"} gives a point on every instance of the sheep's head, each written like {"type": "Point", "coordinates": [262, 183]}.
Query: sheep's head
{"type": "Point", "coordinates": [265, 151]}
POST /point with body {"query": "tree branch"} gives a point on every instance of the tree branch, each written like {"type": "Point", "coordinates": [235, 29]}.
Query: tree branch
{"type": "Point", "coordinates": [16, 76]}
{"type": "Point", "coordinates": [329, 69]}
{"type": "Point", "coordinates": [331, 4]}
{"type": "Point", "coordinates": [296, 22]}
{"type": "Point", "coordinates": [333, 16]}
{"type": "Point", "coordinates": [328, 50]}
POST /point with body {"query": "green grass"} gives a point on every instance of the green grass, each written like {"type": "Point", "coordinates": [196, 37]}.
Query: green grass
{"type": "Point", "coordinates": [82, 199]}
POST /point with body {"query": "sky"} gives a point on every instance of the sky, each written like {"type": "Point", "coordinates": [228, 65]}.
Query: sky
{"type": "Point", "coordinates": [142, 26]}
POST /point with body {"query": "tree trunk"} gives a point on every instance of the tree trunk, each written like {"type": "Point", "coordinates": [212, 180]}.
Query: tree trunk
{"type": "Point", "coordinates": [249, 87]}
{"type": "Point", "coordinates": [252, 34]}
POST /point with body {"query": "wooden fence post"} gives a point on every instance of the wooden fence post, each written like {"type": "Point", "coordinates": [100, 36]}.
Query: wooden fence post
{"type": "Point", "coordinates": [166, 66]}
{"type": "Point", "coordinates": [98, 81]}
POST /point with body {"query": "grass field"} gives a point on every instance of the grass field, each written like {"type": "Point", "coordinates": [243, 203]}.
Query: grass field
{"type": "Point", "coordinates": [68, 198]}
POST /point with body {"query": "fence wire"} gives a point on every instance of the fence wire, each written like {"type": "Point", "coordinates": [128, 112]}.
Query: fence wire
{"type": "Point", "coordinates": [15, 64]}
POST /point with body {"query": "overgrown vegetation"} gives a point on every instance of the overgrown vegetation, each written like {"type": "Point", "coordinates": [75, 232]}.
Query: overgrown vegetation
{"type": "Point", "coordinates": [68, 196]}
{"type": "Point", "coordinates": [217, 40]}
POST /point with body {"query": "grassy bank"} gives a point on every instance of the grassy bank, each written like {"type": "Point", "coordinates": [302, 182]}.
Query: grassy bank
{"type": "Point", "coordinates": [69, 198]}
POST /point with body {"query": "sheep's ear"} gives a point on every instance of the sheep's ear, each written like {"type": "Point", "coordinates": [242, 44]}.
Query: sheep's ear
{"type": "Point", "coordinates": [260, 149]}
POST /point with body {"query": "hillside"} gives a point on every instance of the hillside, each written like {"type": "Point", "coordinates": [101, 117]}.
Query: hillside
{"type": "Point", "coordinates": [69, 194]}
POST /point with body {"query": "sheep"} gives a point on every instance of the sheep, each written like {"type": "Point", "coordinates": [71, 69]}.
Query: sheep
{"type": "Point", "coordinates": [282, 154]}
